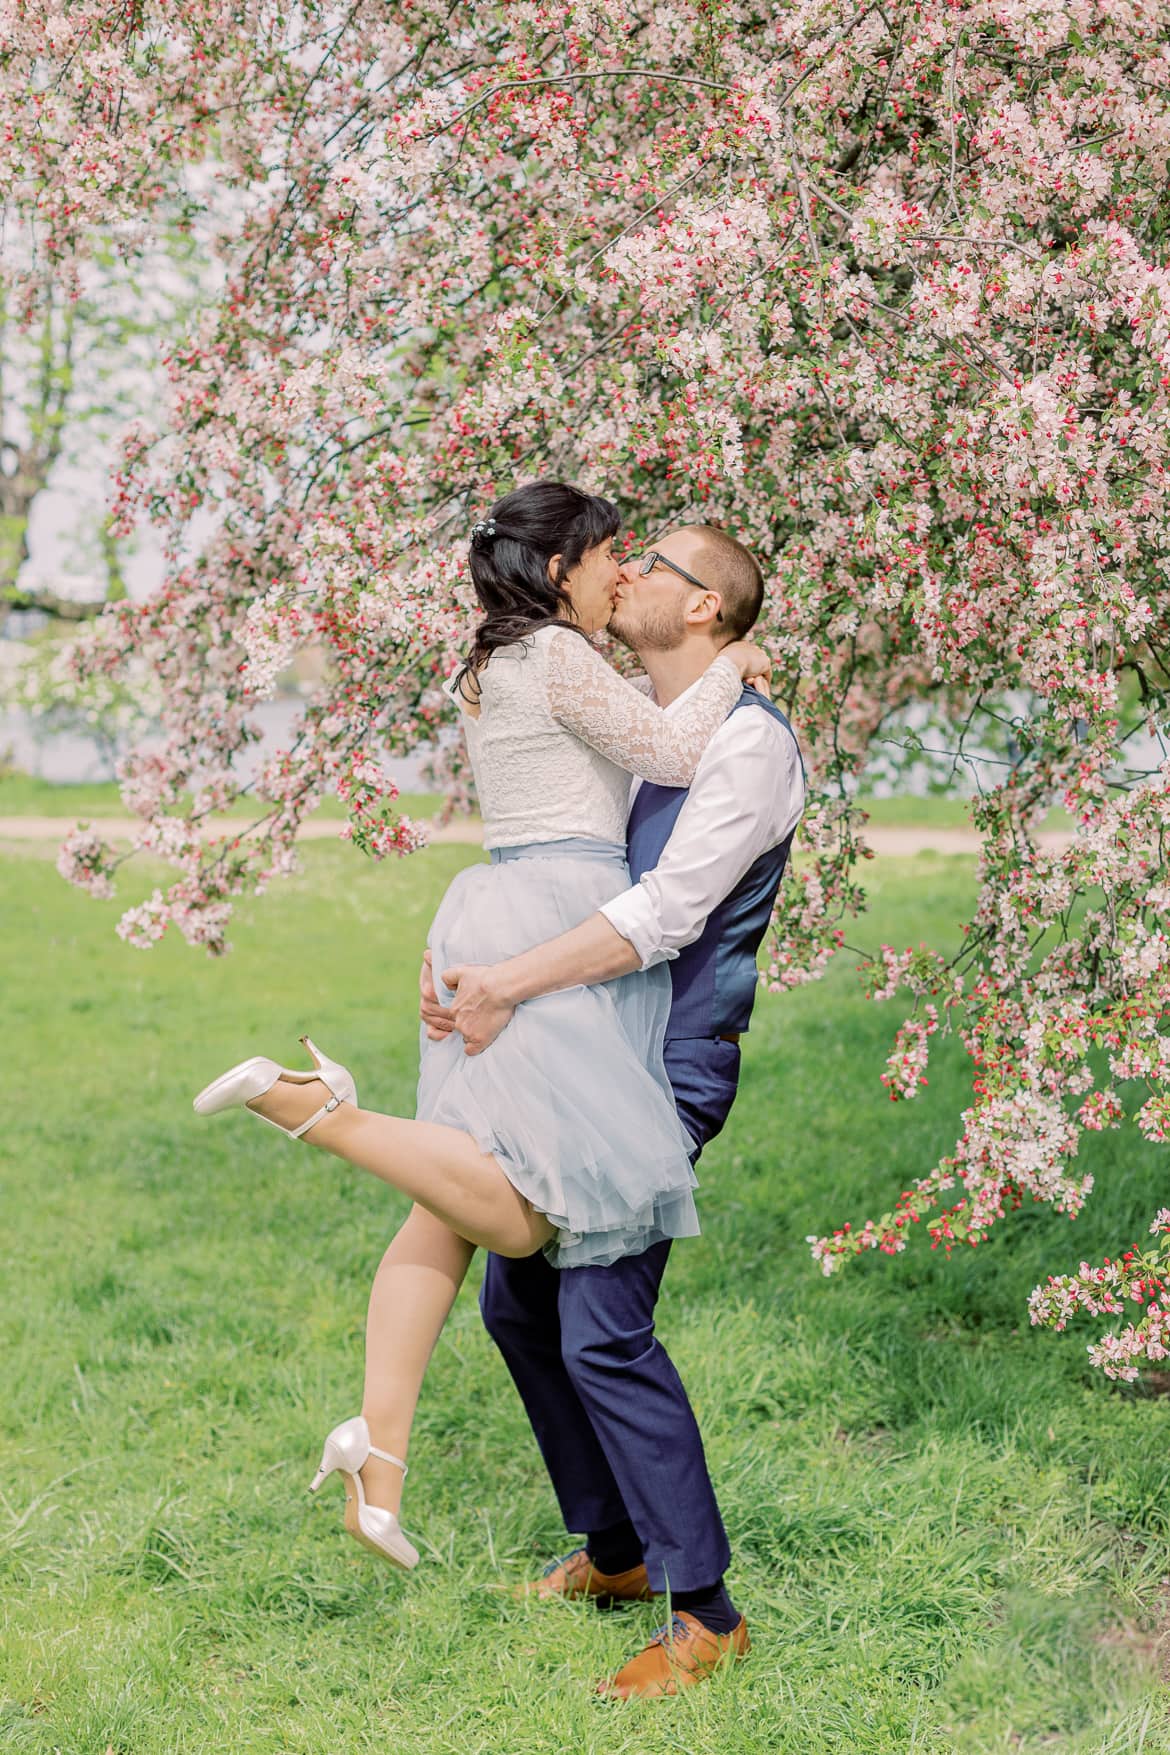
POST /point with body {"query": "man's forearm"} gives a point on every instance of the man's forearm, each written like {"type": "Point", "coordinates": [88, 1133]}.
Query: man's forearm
{"type": "Point", "coordinates": [592, 952]}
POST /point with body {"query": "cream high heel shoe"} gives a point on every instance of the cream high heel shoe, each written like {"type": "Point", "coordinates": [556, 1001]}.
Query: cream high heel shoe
{"type": "Point", "coordinates": [252, 1078]}
{"type": "Point", "coordinates": [346, 1450]}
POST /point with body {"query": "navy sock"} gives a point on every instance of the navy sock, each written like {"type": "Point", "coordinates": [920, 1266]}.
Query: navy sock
{"type": "Point", "coordinates": [616, 1549]}
{"type": "Point", "coordinates": [713, 1607]}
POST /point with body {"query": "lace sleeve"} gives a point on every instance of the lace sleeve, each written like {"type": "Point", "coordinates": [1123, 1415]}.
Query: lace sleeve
{"type": "Point", "coordinates": [591, 700]}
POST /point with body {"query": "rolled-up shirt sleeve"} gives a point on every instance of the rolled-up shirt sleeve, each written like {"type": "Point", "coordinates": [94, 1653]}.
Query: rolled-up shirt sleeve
{"type": "Point", "coordinates": [746, 797]}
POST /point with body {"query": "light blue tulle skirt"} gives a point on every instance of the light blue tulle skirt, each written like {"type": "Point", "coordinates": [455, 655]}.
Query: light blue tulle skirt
{"type": "Point", "coordinates": [572, 1098]}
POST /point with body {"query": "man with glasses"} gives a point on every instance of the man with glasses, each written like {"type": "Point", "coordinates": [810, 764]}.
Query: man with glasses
{"type": "Point", "coordinates": [608, 1409]}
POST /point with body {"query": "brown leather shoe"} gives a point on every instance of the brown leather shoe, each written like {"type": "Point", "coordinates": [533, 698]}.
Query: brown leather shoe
{"type": "Point", "coordinates": [677, 1657]}
{"type": "Point", "coordinates": [577, 1576]}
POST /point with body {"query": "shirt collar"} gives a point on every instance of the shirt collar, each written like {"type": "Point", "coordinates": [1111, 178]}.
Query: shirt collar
{"type": "Point", "coordinates": [685, 696]}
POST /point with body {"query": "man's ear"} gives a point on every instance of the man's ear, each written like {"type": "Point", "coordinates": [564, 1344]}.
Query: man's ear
{"type": "Point", "coordinates": [705, 610]}
{"type": "Point", "coordinates": [554, 570]}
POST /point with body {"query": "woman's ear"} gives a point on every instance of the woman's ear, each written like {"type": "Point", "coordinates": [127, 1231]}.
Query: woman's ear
{"type": "Point", "coordinates": [554, 570]}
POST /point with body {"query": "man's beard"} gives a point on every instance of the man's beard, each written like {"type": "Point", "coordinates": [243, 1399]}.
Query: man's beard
{"type": "Point", "coordinates": [658, 630]}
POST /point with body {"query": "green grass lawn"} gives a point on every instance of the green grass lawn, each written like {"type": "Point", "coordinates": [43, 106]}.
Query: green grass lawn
{"type": "Point", "coordinates": [934, 811]}
{"type": "Point", "coordinates": [950, 1536]}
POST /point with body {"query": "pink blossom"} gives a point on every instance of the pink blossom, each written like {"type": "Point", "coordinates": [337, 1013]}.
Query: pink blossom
{"type": "Point", "coordinates": [86, 860]}
{"type": "Point", "coordinates": [893, 315]}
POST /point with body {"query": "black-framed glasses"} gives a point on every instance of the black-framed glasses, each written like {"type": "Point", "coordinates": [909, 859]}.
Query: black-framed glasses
{"type": "Point", "coordinates": [654, 559]}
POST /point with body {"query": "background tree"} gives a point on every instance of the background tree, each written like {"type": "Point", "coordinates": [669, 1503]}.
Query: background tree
{"type": "Point", "coordinates": [27, 458]}
{"type": "Point", "coordinates": [884, 291]}
{"type": "Point", "coordinates": [79, 359]}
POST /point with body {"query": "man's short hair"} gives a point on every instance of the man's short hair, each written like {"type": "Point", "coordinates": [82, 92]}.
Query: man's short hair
{"type": "Point", "coordinates": [732, 570]}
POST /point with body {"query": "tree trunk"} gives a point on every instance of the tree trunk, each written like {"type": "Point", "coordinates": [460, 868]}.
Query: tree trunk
{"type": "Point", "coordinates": [17, 493]}
{"type": "Point", "coordinates": [25, 468]}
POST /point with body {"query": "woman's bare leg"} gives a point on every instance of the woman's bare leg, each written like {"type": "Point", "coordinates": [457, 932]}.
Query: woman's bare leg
{"type": "Point", "coordinates": [410, 1300]}
{"type": "Point", "coordinates": [441, 1168]}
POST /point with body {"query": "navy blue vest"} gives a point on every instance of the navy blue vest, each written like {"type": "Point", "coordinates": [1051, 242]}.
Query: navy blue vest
{"type": "Point", "coordinates": [715, 977]}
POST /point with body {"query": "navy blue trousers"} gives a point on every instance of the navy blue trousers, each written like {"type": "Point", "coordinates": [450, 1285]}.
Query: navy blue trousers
{"type": "Point", "coordinates": [610, 1414]}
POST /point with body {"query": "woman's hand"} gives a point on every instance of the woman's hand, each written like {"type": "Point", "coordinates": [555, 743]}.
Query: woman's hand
{"type": "Point", "coordinates": [750, 661]}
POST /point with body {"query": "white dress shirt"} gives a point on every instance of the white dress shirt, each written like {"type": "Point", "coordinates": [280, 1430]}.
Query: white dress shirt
{"type": "Point", "coordinates": [746, 797]}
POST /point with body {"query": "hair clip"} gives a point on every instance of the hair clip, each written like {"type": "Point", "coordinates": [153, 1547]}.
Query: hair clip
{"type": "Point", "coordinates": [483, 532]}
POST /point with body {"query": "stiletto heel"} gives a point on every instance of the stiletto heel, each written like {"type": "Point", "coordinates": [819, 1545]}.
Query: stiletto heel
{"type": "Point", "coordinates": [346, 1450]}
{"type": "Point", "coordinates": [250, 1079]}
{"type": "Point", "coordinates": [330, 1072]}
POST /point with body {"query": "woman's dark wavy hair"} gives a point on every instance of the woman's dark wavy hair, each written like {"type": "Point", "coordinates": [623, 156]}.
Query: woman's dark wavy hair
{"type": "Point", "coordinates": [509, 563]}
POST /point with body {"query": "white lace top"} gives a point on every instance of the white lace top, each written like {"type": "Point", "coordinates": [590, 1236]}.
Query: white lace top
{"type": "Point", "coordinates": [559, 733]}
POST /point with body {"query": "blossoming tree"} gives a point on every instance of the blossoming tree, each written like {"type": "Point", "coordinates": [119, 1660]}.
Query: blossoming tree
{"type": "Point", "coordinates": [884, 289]}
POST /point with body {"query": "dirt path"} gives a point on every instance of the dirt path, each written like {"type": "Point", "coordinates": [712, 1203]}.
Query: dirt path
{"type": "Point", "coordinates": [900, 842]}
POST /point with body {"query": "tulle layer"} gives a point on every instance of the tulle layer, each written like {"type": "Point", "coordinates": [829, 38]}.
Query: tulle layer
{"type": "Point", "coordinates": [572, 1098]}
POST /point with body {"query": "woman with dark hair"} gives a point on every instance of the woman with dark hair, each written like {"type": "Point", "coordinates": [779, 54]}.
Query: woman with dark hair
{"type": "Point", "coordinates": [564, 1134]}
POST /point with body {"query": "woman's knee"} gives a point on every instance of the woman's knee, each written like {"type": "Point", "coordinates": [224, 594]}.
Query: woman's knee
{"type": "Point", "coordinates": [522, 1234]}
{"type": "Point", "coordinates": [518, 1246]}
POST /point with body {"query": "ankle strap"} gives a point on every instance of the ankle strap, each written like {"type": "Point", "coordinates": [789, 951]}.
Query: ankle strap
{"type": "Point", "coordinates": [386, 1457]}
{"type": "Point", "coordinates": [294, 1133]}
